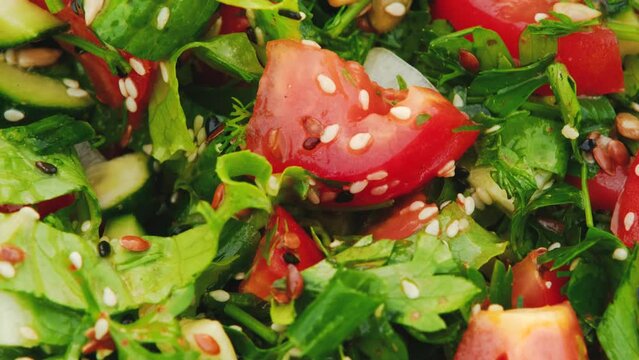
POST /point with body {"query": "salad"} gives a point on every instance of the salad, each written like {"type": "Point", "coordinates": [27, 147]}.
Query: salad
{"type": "Point", "coordinates": [351, 179]}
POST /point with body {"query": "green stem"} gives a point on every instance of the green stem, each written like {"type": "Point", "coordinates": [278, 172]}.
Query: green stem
{"type": "Point", "coordinates": [586, 196]}
{"type": "Point", "coordinates": [251, 323]}
{"type": "Point", "coordinates": [336, 27]}
{"type": "Point", "coordinates": [55, 6]}
{"type": "Point", "coordinates": [116, 63]}
{"type": "Point", "coordinates": [624, 31]}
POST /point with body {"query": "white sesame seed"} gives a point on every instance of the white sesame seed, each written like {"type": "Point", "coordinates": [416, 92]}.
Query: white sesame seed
{"type": "Point", "coordinates": [540, 16]}
{"type": "Point", "coordinates": [198, 123]}
{"type": "Point", "coordinates": [259, 35]}
{"type": "Point", "coordinates": [311, 181]}
{"type": "Point", "coordinates": [637, 170]}
{"type": "Point", "coordinates": [273, 184]}
{"type": "Point", "coordinates": [427, 212]}
{"type": "Point", "coordinates": [432, 228]}
{"type": "Point", "coordinates": [476, 309]}
{"type": "Point", "coordinates": [71, 83]}
{"type": "Point", "coordinates": [634, 106]}
{"type": "Point", "coordinates": [364, 99]}
{"type": "Point", "coordinates": [458, 101]}
{"type": "Point", "coordinates": [448, 170]}
{"type": "Point", "coordinates": [379, 190]}
{"type": "Point", "coordinates": [86, 226]}
{"type": "Point", "coordinates": [91, 10]}
{"type": "Point", "coordinates": [492, 129]}
{"type": "Point", "coordinates": [279, 328]}
{"type": "Point", "coordinates": [174, 197]}
{"type": "Point", "coordinates": [326, 84]}
{"type": "Point", "coordinates": [131, 105]}
{"type": "Point", "coordinates": [548, 284]}
{"type": "Point", "coordinates": [147, 148]}
{"type": "Point", "coordinates": [162, 18]}
{"type": "Point", "coordinates": [220, 295]}
{"type": "Point", "coordinates": [554, 246]}
{"type": "Point", "coordinates": [469, 205]}
{"type": "Point", "coordinates": [495, 307]}
{"type": "Point", "coordinates": [76, 260]}
{"type": "Point", "coordinates": [28, 333]}
{"type": "Point", "coordinates": [13, 115]}
{"type": "Point", "coordinates": [444, 204]}
{"type": "Point", "coordinates": [122, 88]}
{"type": "Point", "coordinates": [410, 289]}
{"type": "Point", "coordinates": [463, 224]}
{"type": "Point", "coordinates": [236, 328]}
{"type": "Point", "coordinates": [574, 263]}
{"type": "Point", "coordinates": [395, 9]}
{"type": "Point", "coordinates": [629, 220]}
{"type": "Point", "coordinates": [77, 93]}
{"type": "Point", "coordinates": [101, 328]}
{"type": "Point", "coordinates": [311, 43]}
{"type": "Point", "coordinates": [484, 196]}
{"type": "Point", "coordinates": [164, 71]}
{"type": "Point", "coordinates": [360, 141]}
{"type": "Point", "coordinates": [358, 186]}
{"type": "Point", "coordinates": [620, 254]}
{"type": "Point", "coordinates": [302, 16]}
{"type": "Point", "coordinates": [569, 132]}
{"type": "Point", "coordinates": [401, 112]}
{"type": "Point", "coordinates": [453, 229]}
{"type": "Point", "coordinates": [29, 212]}
{"type": "Point", "coordinates": [378, 175]}
{"type": "Point", "coordinates": [239, 276]}
{"type": "Point", "coordinates": [137, 66]}
{"type": "Point", "coordinates": [329, 133]}
{"type": "Point", "coordinates": [416, 205]}
{"type": "Point", "coordinates": [7, 270]}
{"type": "Point", "coordinates": [109, 298]}
{"type": "Point", "coordinates": [131, 89]}
{"type": "Point", "coordinates": [335, 244]}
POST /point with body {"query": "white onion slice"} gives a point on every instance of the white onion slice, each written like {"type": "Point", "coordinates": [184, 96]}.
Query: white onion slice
{"type": "Point", "coordinates": [383, 66]}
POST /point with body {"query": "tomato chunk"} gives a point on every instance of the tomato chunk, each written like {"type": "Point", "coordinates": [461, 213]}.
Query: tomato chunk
{"type": "Point", "coordinates": [233, 19]}
{"type": "Point", "coordinates": [43, 208]}
{"type": "Point", "coordinates": [284, 244]}
{"type": "Point", "coordinates": [624, 221]}
{"type": "Point", "coordinates": [320, 112]}
{"type": "Point", "coordinates": [604, 189]}
{"type": "Point", "coordinates": [407, 218]}
{"type": "Point", "coordinates": [535, 283]}
{"type": "Point", "coordinates": [550, 332]}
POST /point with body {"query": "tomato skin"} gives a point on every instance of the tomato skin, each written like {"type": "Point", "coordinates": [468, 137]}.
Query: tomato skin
{"type": "Point", "coordinates": [625, 217]}
{"type": "Point", "coordinates": [263, 273]}
{"type": "Point", "coordinates": [234, 19]}
{"type": "Point", "coordinates": [530, 281]}
{"type": "Point", "coordinates": [404, 221]}
{"type": "Point", "coordinates": [291, 108]}
{"type": "Point", "coordinates": [604, 189]}
{"type": "Point", "coordinates": [43, 208]}
{"type": "Point", "coordinates": [550, 332]}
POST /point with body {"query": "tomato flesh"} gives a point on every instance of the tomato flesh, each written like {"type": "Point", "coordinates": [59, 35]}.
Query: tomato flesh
{"type": "Point", "coordinates": [234, 19]}
{"type": "Point", "coordinates": [43, 208]}
{"type": "Point", "coordinates": [406, 219]}
{"type": "Point", "coordinates": [604, 189]}
{"type": "Point", "coordinates": [550, 332]}
{"type": "Point", "coordinates": [309, 113]}
{"type": "Point", "coordinates": [284, 239]}
{"type": "Point", "coordinates": [535, 284]}
{"type": "Point", "coordinates": [625, 217]}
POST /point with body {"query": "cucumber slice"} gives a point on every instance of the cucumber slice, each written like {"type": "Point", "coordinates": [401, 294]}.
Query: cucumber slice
{"type": "Point", "coordinates": [119, 183]}
{"type": "Point", "coordinates": [36, 95]}
{"type": "Point", "coordinates": [22, 22]}
{"type": "Point", "coordinates": [480, 178]}
{"type": "Point", "coordinates": [152, 29]}
{"type": "Point", "coordinates": [123, 225]}
{"type": "Point", "coordinates": [213, 329]}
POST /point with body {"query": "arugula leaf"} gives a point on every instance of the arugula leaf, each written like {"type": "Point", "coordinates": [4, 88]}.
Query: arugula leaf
{"type": "Point", "coordinates": [618, 331]}
{"type": "Point", "coordinates": [491, 81]}
{"type": "Point", "coordinates": [378, 340]}
{"type": "Point", "coordinates": [231, 53]}
{"type": "Point", "coordinates": [50, 135]}
{"type": "Point", "coordinates": [533, 46]}
{"type": "Point", "coordinates": [561, 25]}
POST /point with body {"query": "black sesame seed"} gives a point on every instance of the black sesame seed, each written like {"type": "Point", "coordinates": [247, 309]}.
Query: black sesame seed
{"type": "Point", "coordinates": [294, 15]}
{"type": "Point", "coordinates": [46, 168]}
{"type": "Point", "coordinates": [250, 33]}
{"type": "Point", "coordinates": [311, 143]}
{"type": "Point", "coordinates": [290, 258]}
{"type": "Point", "coordinates": [104, 248]}
{"type": "Point", "coordinates": [344, 197]}
{"type": "Point", "coordinates": [461, 173]}
{"type": "Point", "coordinates": [588, 145]}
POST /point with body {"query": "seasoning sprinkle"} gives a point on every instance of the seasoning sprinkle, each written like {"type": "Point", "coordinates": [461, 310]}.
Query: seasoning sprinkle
{"type": "Point", "coordinates": [364, 99]}
{"type": "Point", "coordinates": [358, 186]}
{"type": "Point", "coordinates": [360, 141]}
{"type": "Point", "coordinates": [311, 43]}
{"type": "Point", "coordinates": [379, 190]}
{"type": "Point", "coordinates": [130, 87]}
{"type": "Point", "coordinates": [401, 112]}
{"type": "Point", "coordinates": [432, 228]}
{"type": "Point", "coordinates": [378, 175]}
{"type": "Point", "coordinates": [46, 167]}
{"type": "Point", "coordinates": [7, 270]}
{"type": "Point", "coordinates": [101, 328]}
{"type": "Point", "coordinates": [220, 295]}
{"type": "Point", "coordinates": [453, 229]}
{"type": "Point", "coordinates": [410, 289]}
{"type": "Point", "coordinates": [109, 298]}
{"type": "Point", "coordinates": [326, 84]}
{"type": "Point", "coordinates": [104, 248]}
{"type": "Point", "coordinates": [329, 134]}
{"type": "Point", "coordinates": [137, 66]}
{"type": "Point", "coordinates": [13, 115]}
{"type": "Point", "coordinates": [76, 260]}
{"type": "Point", "coordinates": [162, 18]}
{"type": "Point", "coordinates": [77, 93]}
{"type": "Point", "coordinates": [395, 9]}
{"type": "Point", "coordinates": [427, 212]}
{"type": "Point", "coordinates": [620, 254]}
{"type": "Point", "coordinates": [629, 220]}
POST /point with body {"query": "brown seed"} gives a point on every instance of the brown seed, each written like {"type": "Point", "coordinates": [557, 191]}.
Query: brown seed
{"type": "Point", "coordinates": [618, 153]}
{"type": "Point", "coordinates": [313, 126]}
{"type": "Point", "coordinates": [603, 159]}
{"type": "Point", "coordinates": [468, 61]}
{"type": "Point", "coordinates": [134, 243]}
{"type": "Point", "coordinates": [218, 196]}
{"type": "Point", "coordinates": [311, 143]}
{"type": "Point", "coordinates": [11, 254]}
{"type": "Point", "coordinates": [38, 57]}
{"type": "Point", "coordinates": [294, 282]}
{"type": "Point", "coordinates": [628, 125]}
{"type": "Point", "coordinates": [207, 344]}
{"type": "Point", "coordinates": [291, 240]}
{"type": "Point", "coordinates": [46, 167]}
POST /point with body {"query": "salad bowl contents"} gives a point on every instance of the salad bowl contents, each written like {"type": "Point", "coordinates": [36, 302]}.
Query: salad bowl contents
{"type": "Point", "coordinates": [383, 179]}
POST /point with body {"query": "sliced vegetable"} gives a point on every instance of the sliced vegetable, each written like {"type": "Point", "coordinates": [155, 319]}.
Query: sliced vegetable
{"type": "Point", "coordinates": [22, 22]}
{"type": "Point", "coordinates": [536, 285]}
{"type": "Point", "coordinates": [625, 218]}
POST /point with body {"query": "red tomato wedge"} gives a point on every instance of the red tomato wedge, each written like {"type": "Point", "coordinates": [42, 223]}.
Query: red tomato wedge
{"type": "Point", "coordinates": [320, 112]}
{"type": "Point", "coordinates": [604, 189]}
{"type": "Point", "coordinates": [550, 332]}
{"type": "Point", "coordinates": [535, 284]}
{"type": "Point", "coordinates": [43, 208]}
{"type": "Point", "coordinates": [233, 19]}
{"type": "Point", "coordinates": [285, 243]}
{"type": "Point", "coordinates": [592, 56]}
{"type": "Point", "coordinates": [624, 221]}
{"type": "Point", "coordinates": [406, 219]}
